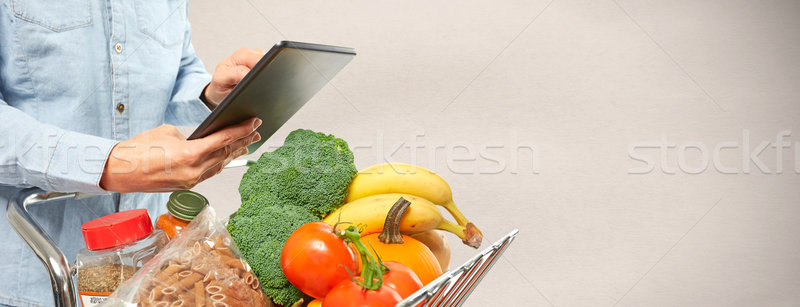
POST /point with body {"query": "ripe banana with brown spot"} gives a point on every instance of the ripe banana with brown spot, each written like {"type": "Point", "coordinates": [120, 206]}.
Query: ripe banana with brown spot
{"type": "Point", "coordinates": [369, 213]}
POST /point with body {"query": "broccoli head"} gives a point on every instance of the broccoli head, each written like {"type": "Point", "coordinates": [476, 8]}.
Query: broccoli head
{"type": "Point", "coordinates": [259, 235]}
{"type": "Point", "coordinates": [300, 182]}
{"type": "Point", "coordinates": [311, 170]}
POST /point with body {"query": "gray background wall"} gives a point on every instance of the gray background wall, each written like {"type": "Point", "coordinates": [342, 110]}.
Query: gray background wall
{"type": "Point", "coordinates": [536, 111]}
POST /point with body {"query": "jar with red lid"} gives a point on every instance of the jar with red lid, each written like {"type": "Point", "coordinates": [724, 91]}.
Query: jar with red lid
{"type": "Point", "coordinates": [117, 245]}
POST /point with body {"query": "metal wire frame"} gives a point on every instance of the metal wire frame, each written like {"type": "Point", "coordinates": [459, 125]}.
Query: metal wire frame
{"type": "Point", "coordinates": [453, 287]}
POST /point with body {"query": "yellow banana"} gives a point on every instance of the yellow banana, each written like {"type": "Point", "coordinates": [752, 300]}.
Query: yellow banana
{"type": "Point", "coordinates": [422, 215]}
{"type": "Point", "coordinates": [404, 178]}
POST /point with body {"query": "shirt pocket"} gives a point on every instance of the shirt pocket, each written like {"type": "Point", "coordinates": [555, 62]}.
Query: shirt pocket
{"type": "Point", "coordinates": [58, 16]}
{"type": "Point", "coordinates": [164, 21]}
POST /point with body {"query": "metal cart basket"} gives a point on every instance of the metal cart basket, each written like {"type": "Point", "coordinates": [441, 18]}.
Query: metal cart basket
{"type": "Point", "coordinates": [450, 289]}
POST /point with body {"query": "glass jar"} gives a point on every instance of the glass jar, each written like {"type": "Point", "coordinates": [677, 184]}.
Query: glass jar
{"type": "Point", "coordinates": [117, 245]}
{"type": "Point", "coordinates": [182, 207]}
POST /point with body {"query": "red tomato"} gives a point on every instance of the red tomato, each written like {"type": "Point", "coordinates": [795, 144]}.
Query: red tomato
{"type": "Point", "coordinates": [350, 294]}
{"type": "Point", "coordinates": [313, 259]}
{"type": "Point", "coordinates": [401, 278]}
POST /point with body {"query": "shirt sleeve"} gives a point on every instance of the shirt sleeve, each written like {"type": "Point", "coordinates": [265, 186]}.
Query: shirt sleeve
{"type": "Point", "coordinates": [185, 107]}
{"type": "Point", "coordinates": [48, 157]}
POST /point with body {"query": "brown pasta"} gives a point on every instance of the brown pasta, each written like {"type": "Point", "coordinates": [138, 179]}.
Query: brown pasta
{"type": "Point", "coordinates": [202, 272]}
{"type": "Point", "coordinates": [199, 294]}
{"type": "Point", "coordinates": [168, 291]}
{"type": "Point", "coordinates": [217, 241]}
{"type": "Point", "coordinates": [238, 292]}
{"type": "Point", "coordinates": [209, 277]}
{"type": "Point", "coordinates": [187, 282]}
{"type": "Point", "coordinates": [218, 297]}
{"type": "Point", "coordinates": [184, 274]}
{"type": "Point", "coordinates": [251, 280]}
{"type": "Point", "coordinates": [171, 269]}
{"type": "Point", "coordinates": [197, 249]}
{"type": "Point", "coordinates": [201, 268]}
{"type": "Point", "coordinates": [156, 291]}
{"type": "Point", "coordinates": [213, 289]}
{"type": "Point", "coordinates": [232, 262]}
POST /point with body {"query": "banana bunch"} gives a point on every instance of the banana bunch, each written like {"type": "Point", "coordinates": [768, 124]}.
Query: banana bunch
{"type": "Point", "coordinates": [375, 189]}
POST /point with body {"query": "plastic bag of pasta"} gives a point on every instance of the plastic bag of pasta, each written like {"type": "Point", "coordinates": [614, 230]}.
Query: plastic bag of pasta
{"type": "Point", "coordinates": [198, 268]}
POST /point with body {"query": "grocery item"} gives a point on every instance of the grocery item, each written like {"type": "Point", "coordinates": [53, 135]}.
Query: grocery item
{"type": "Point", "coordinates": [260, 239]}
{"type": "Point", "coordinates": [311, 170]}
{"type": "Point", "coordinates": [404, 178]}
{"type": "Point", "coordinates": [116, 246]}
{"type": "Point", "coordinates": [391, 245]}
{"type": "Point", "coordinates": [437, 242]}
{"type": "Point", "coordinates": [182, 207]}
{"type": "Point", "coordinates": [401, 278]}
{"type": "Point", "coordinates": [368, 289]}
{"type": "Point", "coordinates": [422, 216]}
{"type": "Point", "coordinates": [297, 183]}
{"type": "Point", "coordinates": [350, 294]}
{"type": "Point", "coordinates": [208, 273]}
{"type": "Point", "coordinates": [103, 278]}
{"type": "Point", "coordinates": [197, 268]}
{"type": "Point", "coordinates": [315, 259]}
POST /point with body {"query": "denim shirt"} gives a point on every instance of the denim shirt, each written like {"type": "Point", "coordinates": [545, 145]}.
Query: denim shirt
{"type": "Point", "coordinates": [76, 77]}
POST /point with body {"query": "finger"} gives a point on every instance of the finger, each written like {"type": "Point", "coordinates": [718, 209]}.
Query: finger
{"type": "Point", "coordinates": [246, 57]}
{"type": "Point", "coordinates": [220, 165]}
{"type": "Point", "coordinates": [226, 78]}
{"type": "Point", "coordinates": [241, 152]}
{"type": "Point", "coordinates": [226, 136]}
{"type": "Point", "coordinates": [209, 173]}
{"type": "Point", "coordinates": [240, 72]}
{"type": "Point", "coordinates": [227, 151]}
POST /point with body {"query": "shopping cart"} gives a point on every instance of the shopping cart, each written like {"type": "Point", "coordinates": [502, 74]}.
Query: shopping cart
{"type": "Point", "coordinates": [450, 289]}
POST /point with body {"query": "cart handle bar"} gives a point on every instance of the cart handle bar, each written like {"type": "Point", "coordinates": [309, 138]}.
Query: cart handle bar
{"type": "Point", "coordinates": [42, 245]}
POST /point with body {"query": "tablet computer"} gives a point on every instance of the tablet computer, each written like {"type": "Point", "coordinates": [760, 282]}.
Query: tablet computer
{"type": "Point", "coordinates": [277, 86]}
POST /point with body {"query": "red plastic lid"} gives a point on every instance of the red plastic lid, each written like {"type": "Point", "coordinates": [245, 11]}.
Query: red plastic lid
{"type": "Point", "coordinates": [117, 229]}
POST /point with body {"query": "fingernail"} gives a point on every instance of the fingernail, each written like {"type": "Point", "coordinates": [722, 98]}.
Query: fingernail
{"type": "Point", "coordinates": [256, 137]}
{"type": "Point", "coordinates": [256, 123]}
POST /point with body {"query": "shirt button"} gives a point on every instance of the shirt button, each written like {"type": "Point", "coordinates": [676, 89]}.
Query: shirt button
{"type": "Point", "coordinates": [118, 48]}
{"type": "Point", "coordinates": [120, 107]}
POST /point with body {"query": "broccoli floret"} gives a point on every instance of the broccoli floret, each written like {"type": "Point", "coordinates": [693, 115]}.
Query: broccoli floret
{"type": "Point", "coordinates": [260, 236]}
{"type": "Point", "coordinates": [289, 294]}
{"type": "Point", "coordinates": [311, 170]}
{"type": "Point", "coordinates": [300, 182]}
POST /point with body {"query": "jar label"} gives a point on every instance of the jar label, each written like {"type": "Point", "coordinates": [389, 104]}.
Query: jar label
{"type": "Point", "coordinates": [92, 299]}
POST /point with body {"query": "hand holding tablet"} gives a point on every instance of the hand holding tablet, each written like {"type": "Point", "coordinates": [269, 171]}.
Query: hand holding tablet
{"type": "Point", "coordinates": [285, 78]}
